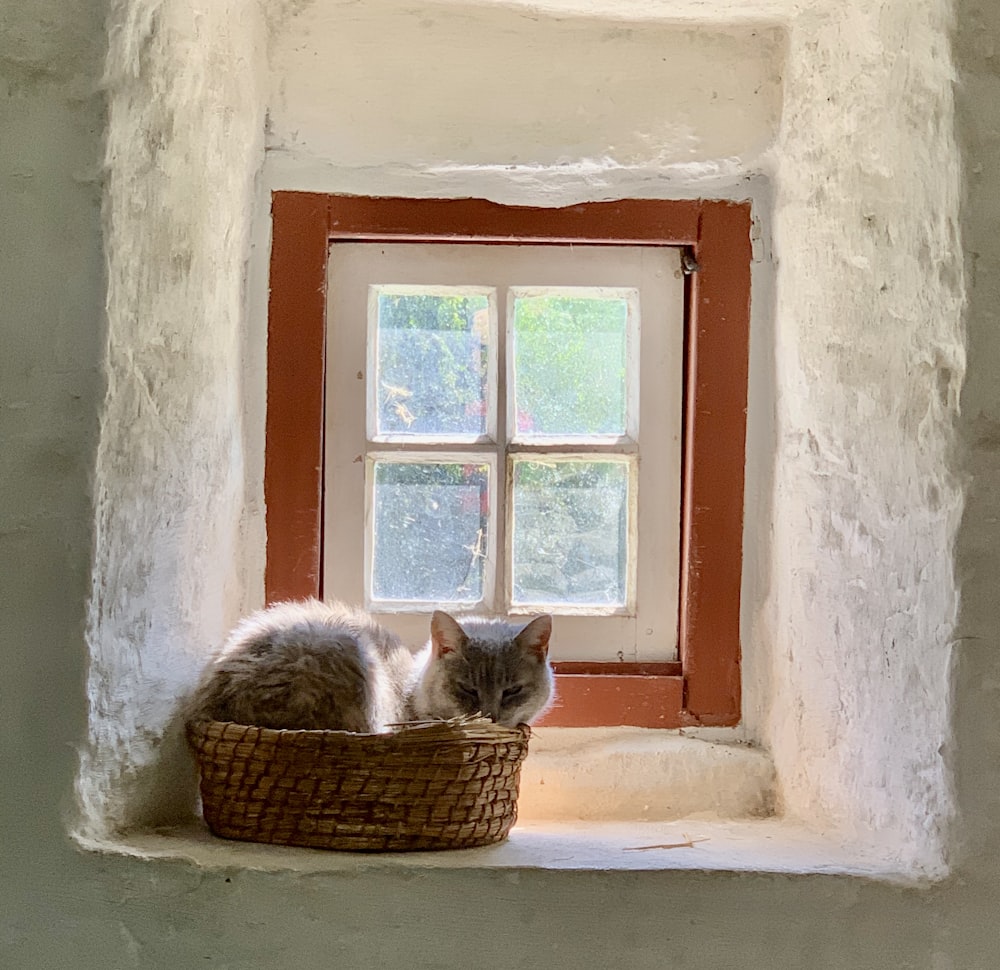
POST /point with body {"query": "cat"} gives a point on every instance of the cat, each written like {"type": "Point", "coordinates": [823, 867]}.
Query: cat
{"type": "Point", "coordinates": [310, 665]}
{"type": "Point", "coordinates": [491, 667]}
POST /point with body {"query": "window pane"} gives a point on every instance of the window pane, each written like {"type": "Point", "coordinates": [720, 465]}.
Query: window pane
{"type": "Point", "coordinates": [431, 368]}
{"type": "Point", "coordinates": [430, 522]}
{"type": "Point", "coordinates": [570, 361]}
{"type": "Point", "coordinates": [570, 532]}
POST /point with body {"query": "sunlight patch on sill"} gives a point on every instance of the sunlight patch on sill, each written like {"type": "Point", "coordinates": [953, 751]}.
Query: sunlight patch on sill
{"type": "Point", "coordinates": [642, 774]}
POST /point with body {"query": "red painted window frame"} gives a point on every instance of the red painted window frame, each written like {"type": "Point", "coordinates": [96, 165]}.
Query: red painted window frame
{"type": "Point", "coordinates": [703, 687]}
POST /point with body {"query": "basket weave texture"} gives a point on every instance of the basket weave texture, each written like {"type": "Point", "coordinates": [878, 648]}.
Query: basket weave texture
{"type": "Point", "coordinates": [428, 785]}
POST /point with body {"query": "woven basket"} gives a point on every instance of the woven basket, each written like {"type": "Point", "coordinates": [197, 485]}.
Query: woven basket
{"type": "Point", "coordinates": [428, 785]}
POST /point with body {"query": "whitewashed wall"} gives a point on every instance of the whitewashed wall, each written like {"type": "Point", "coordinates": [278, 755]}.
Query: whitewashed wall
{"type": "Point", "coordinates": [891, 145]}
{"type": "Point", "coordinates": [184, 142]}
{"type": "Point", "coordinates": [870, 360]}
{"type": "Point", "coordinates": [850, 599]}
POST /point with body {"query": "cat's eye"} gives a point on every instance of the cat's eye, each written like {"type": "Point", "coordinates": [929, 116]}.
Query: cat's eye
{"type": "Point", "coordinates": [511, 692]}
{"type": "Point", "coordinates": [470, 692]}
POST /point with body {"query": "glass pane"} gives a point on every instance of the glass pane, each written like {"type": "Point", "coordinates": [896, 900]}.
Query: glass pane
{"type": "Point", "coordinates": [569, 366]}
{"type": "Point", "coordinates": [570, 532]}
{"type": "Point", "coordinates": [431, 370]}
{"type": "Point", "coordinates": [430, 523]}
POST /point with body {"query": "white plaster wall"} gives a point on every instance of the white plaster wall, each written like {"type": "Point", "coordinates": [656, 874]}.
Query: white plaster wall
{"type": "Point", "coordinates": [184, 141]}
{"type": "Point", "coordinates": [870, 359]}
{"type": "Point", "coordinates": [63, 907]}
{"type": "Point", "coordinates": [849, 600]}
{"type": "Point", "coordinates": [480, 84]}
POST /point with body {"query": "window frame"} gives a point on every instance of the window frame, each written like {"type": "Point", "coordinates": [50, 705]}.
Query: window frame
{"type": "Point", "coordinates": [703, 686]}
{"type": "Point", "coordinates": [634, 629]}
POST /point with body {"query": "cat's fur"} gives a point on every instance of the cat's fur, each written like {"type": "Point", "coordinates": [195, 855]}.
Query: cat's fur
{"type": "Point", "coordinates": [488, 666]}
{"type": "Point", "coordinates": [313, 665]}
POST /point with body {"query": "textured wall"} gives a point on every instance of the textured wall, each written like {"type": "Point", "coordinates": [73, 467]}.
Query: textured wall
{"type": "Point", "coordinates": [870, 360]}
{"type": "Point", "coordinates": [185, 128]}
{"type": "Point", "coordinates": [63, 907]}
{"type": "Point", "coordinates": [51, 348]}
{"type": "Point", "coordinates": [631, 95]}
{"type": "Point", "coordinates": [854, 617]}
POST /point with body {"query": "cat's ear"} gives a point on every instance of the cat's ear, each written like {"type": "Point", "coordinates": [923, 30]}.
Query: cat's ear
{"type": "Point", "coordinates": [534, 638]}
{"type": "Point", "coordinates": [446, 635]}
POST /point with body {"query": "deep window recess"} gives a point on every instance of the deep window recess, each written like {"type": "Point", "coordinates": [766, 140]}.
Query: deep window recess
{"type": "Point", "coordinates": [435, 395]}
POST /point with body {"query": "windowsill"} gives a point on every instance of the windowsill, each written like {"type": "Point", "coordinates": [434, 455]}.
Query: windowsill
{"type": "Point", "coordinates": [772, 846]}
{"type": "Point", "coordinates": [640, 774]}
{"type": "Point", "coordinates": [609, 799]}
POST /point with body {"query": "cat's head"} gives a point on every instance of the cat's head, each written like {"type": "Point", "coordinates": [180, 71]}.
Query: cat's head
{"type": "Point", "coordinates": [491, 667]}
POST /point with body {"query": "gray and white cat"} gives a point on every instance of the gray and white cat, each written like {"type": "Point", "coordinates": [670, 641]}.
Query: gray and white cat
{"type": "Point", "coordinates": [311, 665]}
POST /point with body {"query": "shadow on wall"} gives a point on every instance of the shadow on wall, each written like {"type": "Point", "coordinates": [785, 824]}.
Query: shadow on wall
{"type": "Point", "coordinates": [975, 748]}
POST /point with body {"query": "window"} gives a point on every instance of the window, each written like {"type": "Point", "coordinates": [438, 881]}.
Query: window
{"type": "Point", "coordinates": [501, 430]}
{"type": "Point", "coordinates": [700, 686]}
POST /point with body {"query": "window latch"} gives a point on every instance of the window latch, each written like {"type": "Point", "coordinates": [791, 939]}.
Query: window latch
{"type": "Point", "coordinates": [689, 264]}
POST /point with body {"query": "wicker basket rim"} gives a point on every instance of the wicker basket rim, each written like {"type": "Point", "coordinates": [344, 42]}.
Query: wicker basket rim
{"type": "Point", "coordinates": [472, 728]}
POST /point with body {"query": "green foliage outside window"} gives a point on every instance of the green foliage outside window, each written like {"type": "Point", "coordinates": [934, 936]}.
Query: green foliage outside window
{"type": "Point", "coordinates": [570, 534]}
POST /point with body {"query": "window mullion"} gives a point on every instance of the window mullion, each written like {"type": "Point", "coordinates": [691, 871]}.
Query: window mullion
{"type": "Point", "coordinates": [501, 496]}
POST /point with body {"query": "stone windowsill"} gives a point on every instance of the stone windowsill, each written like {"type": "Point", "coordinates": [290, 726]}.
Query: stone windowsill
{"type": "Point", "coordinates": [596, 799]}
{"type": "Point", "coordinates": [760, 846]}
